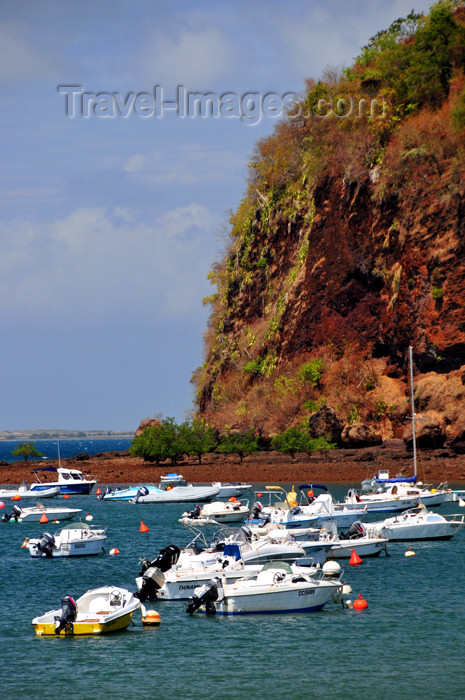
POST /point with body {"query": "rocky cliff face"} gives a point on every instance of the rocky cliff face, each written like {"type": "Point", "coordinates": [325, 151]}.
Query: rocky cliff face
{"type": "Point", "coordinates": [330, 277]}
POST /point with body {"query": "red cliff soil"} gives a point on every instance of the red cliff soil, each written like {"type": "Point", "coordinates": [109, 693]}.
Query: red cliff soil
{"type": "Point", "coordinates": [270, 467]}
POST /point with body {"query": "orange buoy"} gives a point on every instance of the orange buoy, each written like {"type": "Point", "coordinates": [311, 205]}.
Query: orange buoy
{"type": "Point", "coordinates": [152, 618]}
{"type": "Point", "coordinates": [143, 527]}
{"type": "Point", "coordinates": [43, 518]}
{"type": "Point", "coordinates": [355, 559]}
{"type": "Point", "coordinates": [114, 551]}
{"type": "Point", "coordinates": [233, 499]}
{"type": "Point", "coordinates": [259, 495]}
{"type": "Point", "coordinates": [98, 492]}
{"type": "Point", "coordinates": [66, 495]}
{"type": "Point", "coordinates": [16, 498]}
{"type": "Point", "coordinates": [360, 604]}
{"type": "Point", "coordinates": [25, 543]}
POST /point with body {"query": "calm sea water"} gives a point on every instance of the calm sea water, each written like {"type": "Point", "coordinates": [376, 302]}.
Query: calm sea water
{"type": "Point", "coordinates": [408, 644]}
{"type": "Point", "coordinates": [68, 448]}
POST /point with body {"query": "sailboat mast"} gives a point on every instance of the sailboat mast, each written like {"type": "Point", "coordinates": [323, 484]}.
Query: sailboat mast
{"type": "Point", "coordinates": [413, 413]}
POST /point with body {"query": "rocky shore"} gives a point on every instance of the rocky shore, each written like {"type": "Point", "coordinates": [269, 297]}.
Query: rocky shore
{"type": "Point", "coordinates": [434, 466]}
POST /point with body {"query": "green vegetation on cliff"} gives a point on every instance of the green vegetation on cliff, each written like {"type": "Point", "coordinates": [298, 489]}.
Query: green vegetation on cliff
{"type": "Point", "coordinates": [343, 250]}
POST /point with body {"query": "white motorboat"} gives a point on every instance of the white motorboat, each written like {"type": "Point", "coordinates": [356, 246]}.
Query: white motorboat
{"type": "Point", "coordinates": [358, 537]}
{"type": "Point", "coordinates": [39, 512]}
{"type": "Point", "coordinates": [99, 611]}
{"type": "Point", "coordinates": [232, 488]}
{"type": "Point", "coordinates": [70, 481]}
{"type": "Point", "coordinates": [17, 494]}
{"type": "Point", "coordinates": [232, 511]}
{"type": "Point", "coordinates": [174, 574]}
{"type": "Point", "coordinates": [284, 510]}
{"type": "Point", "coordinates": [382, 501]}
{"type": "Point", "coordinates": [276, 589]}
{"type": "Point", "coordinates": [419, 524]}
{"type": "Point", "coordinates": [73, 540]}
{"type": "Point", "coordinates": [177, 494]}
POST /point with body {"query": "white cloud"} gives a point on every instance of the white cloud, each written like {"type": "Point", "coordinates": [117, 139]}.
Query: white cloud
{"type": "Point", "coordinates": [196, 58]}
{"type": "Point", "coordinates": [98, 262]}
{"type": "Point", "coordinates": [19, 58]}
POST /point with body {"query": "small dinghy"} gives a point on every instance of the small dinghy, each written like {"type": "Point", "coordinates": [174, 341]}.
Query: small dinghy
{"type": "Point", "coordinates": [73, 540]}
{"type": "Point", "coordinates": [101, 610]}
{"type": "Point", "coordinates": [23, 492]}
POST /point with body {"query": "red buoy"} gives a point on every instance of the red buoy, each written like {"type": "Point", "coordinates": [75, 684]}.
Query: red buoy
{"type": "Point", "coordinates": [43, 518]}
{"type": "Point", "coordinates": [143, 527]}
{"type": "Point", "coordinates": [355, 559]}
{"type": "Point", "coordinates": [98, 492]}
{"type": "Point", "coordinates": [66, 495]}
{"type": "Point", "coordinates": [360, 604]}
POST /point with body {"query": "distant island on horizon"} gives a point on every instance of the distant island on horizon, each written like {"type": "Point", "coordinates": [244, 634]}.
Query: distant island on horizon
{"type": "Point", "coordinates": [62, 434]}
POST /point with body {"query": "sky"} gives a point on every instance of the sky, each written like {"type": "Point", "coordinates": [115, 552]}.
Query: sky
{"type": "Point", "coordinates": [113, 208]}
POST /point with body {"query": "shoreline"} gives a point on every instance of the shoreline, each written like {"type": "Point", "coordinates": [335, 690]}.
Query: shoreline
{"type": "Point", "coordinates": [348, 466]}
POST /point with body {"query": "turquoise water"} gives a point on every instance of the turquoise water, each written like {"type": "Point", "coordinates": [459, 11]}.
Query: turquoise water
{"type": "Point", "coordinates": [409, 643]}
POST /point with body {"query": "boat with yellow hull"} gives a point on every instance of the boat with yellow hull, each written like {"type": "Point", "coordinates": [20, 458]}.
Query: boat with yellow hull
{"type": "Point", "coordinates": [99, 611]}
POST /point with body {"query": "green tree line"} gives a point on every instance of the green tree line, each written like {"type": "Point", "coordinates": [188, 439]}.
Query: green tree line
{"type": "Point", "coordinates": [194, 438]}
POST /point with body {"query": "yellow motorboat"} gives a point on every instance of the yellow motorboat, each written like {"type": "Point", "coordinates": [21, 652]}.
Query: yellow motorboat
{"type": "Point", "coordinates": [99, 611]}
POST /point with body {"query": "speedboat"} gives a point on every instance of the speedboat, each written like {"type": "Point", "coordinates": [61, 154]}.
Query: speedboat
{"type": "Point", "coordinates": [39, 512]}
{"type": "Point", "coordinates": [419, 524]}
{"type": "Point", "coordinates": [23, 492]}
{"type": "Point", "coordinates": [359, 538]}
{"type": "Point", "coordinates": [174, 574]}
{"type": "Point", "coordinates": [73, 540]}
{"type": "Point", "coordinates": [310, 512]}
{"type": "Point", "coordinates": [231, 488]}
{"type": "Point", "coordinates": [101, 610]}
{"type": "Point", "coordinates": [408, 487]}
{"type": "Point", "coordinates": [176, 494]}
{"type": "Point", "coordinates": [70, 481]}
{"type": "Point", "coordinates": [276, 589]}
{"type": "Point", "coordinates": [232, 511]}
{"type": "Point", "coordinates": [382, 501]}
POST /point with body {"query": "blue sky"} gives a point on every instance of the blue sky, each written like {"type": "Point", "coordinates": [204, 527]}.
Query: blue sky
{"type": "Point", "coordinates": [109, 225]}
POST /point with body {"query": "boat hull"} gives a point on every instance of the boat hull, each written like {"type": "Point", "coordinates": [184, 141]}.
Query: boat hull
{"type": "Point", "coordinates": [51, 513]}
{"type": "Point", "coordinates": [300, 598]}
{"type": "Point", "coordinates": [363, 549]}
{"type": "Point", "coordinates": [181, 494]}
{"type": "Point", "coordinates": [85, 627]}
{"type": "Point", "coordinates": [72, 489]}
{"type": "Point", "coordinates": [47, 492]}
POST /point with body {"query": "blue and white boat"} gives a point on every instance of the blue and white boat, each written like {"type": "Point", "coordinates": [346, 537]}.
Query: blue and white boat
{"type": "Point", "coordinates": [70, 481]}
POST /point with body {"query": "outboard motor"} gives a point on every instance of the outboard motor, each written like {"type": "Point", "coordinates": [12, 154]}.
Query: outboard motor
{"type": "Point", "coordinates": [247, 532]}
{"type": "Point", "coordinates": [68, 613]}
{"type": "Point", "coordinates": [143, 491]}
{"type": "Point", "coordinates": [354, 532]}
{"type": "Point", "coordinates": [205, 595]}
{"type": "Point", "coordinates": [15, 514]}
{"type": "Point", "coordinates": [194, 514]}
{"type": "Point", "coordinates": [256, 510]}
{"type": "Point", "coordinates": [153, 573]}
{"type": "Point", "coordinates": [107, 492]}
{"type": "Point", "coordinates": [46, 544]}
